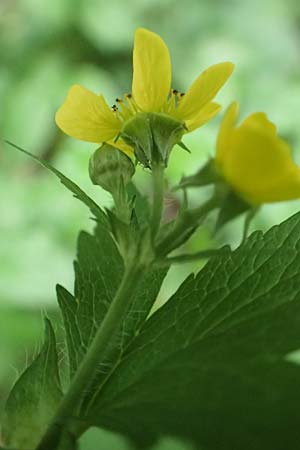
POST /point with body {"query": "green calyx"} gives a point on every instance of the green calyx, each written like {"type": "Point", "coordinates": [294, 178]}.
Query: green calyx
{"type": "Point", "coordinates": [230, 204]}
{"type": "Point", "coordinates": [110, 168]}
{"type": "Point", "coordinates": [206, 175]}
{"type": "Point", "coordinates": [152, 136]}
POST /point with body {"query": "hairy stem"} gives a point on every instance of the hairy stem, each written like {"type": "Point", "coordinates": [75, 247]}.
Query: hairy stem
{"type": "Point", "coordinates": [94, 356]}
{"type": "Point", "coordinates": [158, 197]}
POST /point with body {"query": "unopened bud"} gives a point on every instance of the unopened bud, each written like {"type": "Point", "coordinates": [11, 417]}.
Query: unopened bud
{"type": "Point", "coordinates": [110, 168]}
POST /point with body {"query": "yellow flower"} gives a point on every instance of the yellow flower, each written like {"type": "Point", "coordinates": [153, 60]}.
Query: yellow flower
{"type": "Point", "coordinates": [87, 116]}
{"type": "Point", "coordinates": [254, 160]}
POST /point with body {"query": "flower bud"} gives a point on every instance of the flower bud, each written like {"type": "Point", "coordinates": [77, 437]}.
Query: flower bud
{"type": "Point", "coordinates": [110, 168]}
{"type": "Point", "coordinates": [152, 136]}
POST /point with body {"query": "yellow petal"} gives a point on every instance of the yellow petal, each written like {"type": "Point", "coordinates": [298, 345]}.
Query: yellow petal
{"type": "Point", "coordinates": [205, 114]}
{"type": "Point", "coordinates": [123, 147]}
{"type": "Point", "coordinates": [260, 120]}
{"type": "Point", "coordinates": [86, 116]}
{"type": "Point", "coordinates": [225, 131]}
{"type": "Point", "coordinates": [285, 188]}
{"type": "Point", "coordinates": [151, 71]}
{"type": "Point", "coordinates": [204, 89]}
{"type": "Point", "coordinates": [259, 164]}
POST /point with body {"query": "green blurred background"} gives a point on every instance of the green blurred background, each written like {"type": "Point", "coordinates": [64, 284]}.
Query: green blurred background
{"type": "Point", "coordinates": [45, 47]}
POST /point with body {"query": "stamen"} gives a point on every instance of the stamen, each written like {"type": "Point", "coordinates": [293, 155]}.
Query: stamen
{"type": "Point", "coordinates": [171, 102]}
{"type": "Point", "coordinates": [114, 108]}
{"type": "Point", "coordinates": [180, 97]}
{"type": "Point", "coordinates": [124, 112]}
{"type": "Point", "coordinates": [131, 103]}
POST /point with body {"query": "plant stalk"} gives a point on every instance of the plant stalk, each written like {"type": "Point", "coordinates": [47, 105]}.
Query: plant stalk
{"type": "Point", "coordinates": [158, 197]}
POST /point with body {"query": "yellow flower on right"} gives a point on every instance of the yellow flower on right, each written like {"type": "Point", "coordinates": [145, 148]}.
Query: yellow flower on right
{"type": "Point", "coordinates": [254, 160]}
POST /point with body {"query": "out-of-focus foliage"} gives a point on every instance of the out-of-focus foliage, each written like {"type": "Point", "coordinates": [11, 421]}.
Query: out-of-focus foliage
{"type": "Point", "coordinates": [34, 391]}
{"type": "Point", "coordinates": [45, 47]}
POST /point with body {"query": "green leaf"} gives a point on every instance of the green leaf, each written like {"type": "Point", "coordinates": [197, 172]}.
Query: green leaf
{"type": "Point", "coordinates": [34, 398]}
{"type": "Point", "coordinates": [98, 273]}
{"type": "Point", "coordinates": [69, 184]}
{"type": "Point", "coordinates": [211, 365]}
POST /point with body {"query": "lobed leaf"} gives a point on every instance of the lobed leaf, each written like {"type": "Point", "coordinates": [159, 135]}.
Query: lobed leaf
{"type": "Point", "coordinates": [69, 184]}
{"type": "Point", "coordinates": [98, 273]}
{"type": "Point", "coordinates": [211, 365]}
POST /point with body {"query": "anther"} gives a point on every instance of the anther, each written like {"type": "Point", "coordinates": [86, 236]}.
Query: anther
{"type": "Point", "coordinates": [128, 95]}
{"type": "Point", "coordinates": [114, 108]}
{"type": "Point", "coordinates": [174, 91]}
{"type": "Point", "coordinates": [118, 100]}
{"type": "Point", "coordinates": [182, 94]}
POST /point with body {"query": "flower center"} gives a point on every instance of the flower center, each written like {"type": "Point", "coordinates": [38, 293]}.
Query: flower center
{"type": "Point", "coordinates": [172, 102]}
{"type": "Point", "coordinates": [125, 109]}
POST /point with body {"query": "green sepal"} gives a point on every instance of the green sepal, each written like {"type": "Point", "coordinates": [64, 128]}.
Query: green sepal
{"type": "Point", "coordinates": [231, 206]}
{"type": "Point", "coordinates": [152, 135]}
{"type": "Point", "coordinates": [184, 147]}
{"type": "Point", "coordinates": [34, 398]}
{"type": "Point", "coordinates": [248, 219]}
{"type": "Point", "coordinates": [203, 177]}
